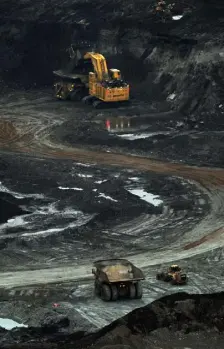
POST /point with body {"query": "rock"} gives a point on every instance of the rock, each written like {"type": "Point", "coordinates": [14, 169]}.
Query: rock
{"type": "Point", "coordinates": [179, 316]}
{"type": "Point", "coordinates": [186, 308]}
{"type": "Point", "coordinates": [56, 321]}
{"type": "Point", "coordinates": [122, 331]}
{"type": "Point", "coordinates": [2, 331]}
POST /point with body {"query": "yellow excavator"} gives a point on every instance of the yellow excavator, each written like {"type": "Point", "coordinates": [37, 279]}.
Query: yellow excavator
{"type": "Point", "coordinates": [98, 88]}
{"type": "Point", "coordinates": [105, 86]}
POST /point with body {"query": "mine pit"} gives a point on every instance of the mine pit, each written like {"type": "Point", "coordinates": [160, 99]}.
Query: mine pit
{"type": "Point", "coordinates": [142, 181]}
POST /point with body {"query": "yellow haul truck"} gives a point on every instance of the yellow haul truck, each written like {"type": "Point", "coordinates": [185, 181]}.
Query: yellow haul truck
{"type": "Point", "coordinates": [117, 278]}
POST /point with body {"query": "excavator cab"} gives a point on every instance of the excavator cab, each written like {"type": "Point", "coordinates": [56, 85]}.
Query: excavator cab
{"type": "Point", "coordinates": [174, 269]}
{"type": "Point", "coordinates": [115, 74]}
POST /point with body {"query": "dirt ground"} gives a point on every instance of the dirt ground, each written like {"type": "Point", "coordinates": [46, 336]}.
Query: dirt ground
{"type": "Point", "coordinates": [172, 322]}
{"type": "Point", "coordinates": [143, 182]}
{"type": "Point", "coordinates": [74, 186]}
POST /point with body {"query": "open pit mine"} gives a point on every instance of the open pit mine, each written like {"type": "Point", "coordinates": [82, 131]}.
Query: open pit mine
{"type": "Point", "coordinates": [111, 174]}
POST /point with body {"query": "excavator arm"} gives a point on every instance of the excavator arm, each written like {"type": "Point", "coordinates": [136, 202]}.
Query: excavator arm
{"type": "Point", "coordinates": [99, 64]}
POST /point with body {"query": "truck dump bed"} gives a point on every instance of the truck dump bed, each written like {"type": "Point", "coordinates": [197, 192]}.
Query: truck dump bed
{"type": "Point", "coordinates": [117, 270]}
{"type": "Point", "coordinates": [69, 76]}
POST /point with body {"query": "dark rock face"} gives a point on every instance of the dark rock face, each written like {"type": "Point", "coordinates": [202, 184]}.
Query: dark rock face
{"type": "Point", "coordinates": [182, 59]}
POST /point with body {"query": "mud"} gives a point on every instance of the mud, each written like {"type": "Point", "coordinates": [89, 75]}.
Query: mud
{"type": "Point", "coordinates": [85, 202]}
{"type": "Point", "coordinates": [81, 207]}
{"type": "Point", "coordinates": [191, 142]}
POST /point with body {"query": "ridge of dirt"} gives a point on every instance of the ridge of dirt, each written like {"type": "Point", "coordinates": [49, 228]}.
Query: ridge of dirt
{"type": "Point", "coordinates": [212, 177]}
{"type": "Point", "coordinates": [172, 321]}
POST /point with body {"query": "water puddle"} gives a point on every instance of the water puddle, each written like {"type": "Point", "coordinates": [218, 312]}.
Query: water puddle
{"type": "Point", "coordinates": [133, 128]}
{"type": "Point", "coordinates": [115, 124]}
{"type": "Point", "coordinates": [148, 197]}
{"type": "Point", "coordinates": [65, 188]}
{"type": "Point", "coordinates": [84, 175]}
{"type": "Point", "coordinates": [101, 195]}
{"type": "Point", "coordinates": [124, 124]}
{"type": "Point", "coordinates": [9, 324]}
{"type": "Point", "coordinates": [132, 136]}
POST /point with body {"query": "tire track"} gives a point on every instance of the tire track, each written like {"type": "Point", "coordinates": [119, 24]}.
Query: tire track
{"type": "Point", "coordinates": [29, 135]}
{"type": "Point", "coordinates": [210, 180]}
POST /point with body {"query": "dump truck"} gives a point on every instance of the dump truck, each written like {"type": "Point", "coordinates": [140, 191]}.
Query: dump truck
{"type": "Point", "coordinates": [91, 81]}
{"type": "Point", "coordinates": [71, 83]}
{"type": "Point", "coordinates": [174, 275]}
{"type": "Point", "coordinates": [70, 86]}
{"type": "Point", "coordinates": [117, 278]}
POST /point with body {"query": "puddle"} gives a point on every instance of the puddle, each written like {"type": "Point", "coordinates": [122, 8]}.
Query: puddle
{"type": "Point", "coordinates": [122, 124]}
{"type": "Point", "coordinates": [9, 324]}
{"type": "Point", "coordinates": [84, 175]}
{"type": "Point", "coordinates": [177, 18]}
{"type": "Point", "coordinates": [65, 188]}
{"type": "Point", "coordinates": [148, 197]}
{"type": "Point", "coordinates": [133, 128]}
{"type": "Point", "coordinates": [84, 165]}
{"type": "Point", "coordinates": [117, 123]}
{"type": "Point", "coordinates": [135, 179]}
{"type": "Point", "coordinates": [101, 181]}
{"type": "Point", "coordinates": [101, 195]}
{"type": "Point", "coordinates": [132, 136]}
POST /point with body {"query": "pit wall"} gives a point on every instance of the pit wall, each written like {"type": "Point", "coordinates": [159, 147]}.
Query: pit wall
{"type": "Point", "coordinates": [187, 73]}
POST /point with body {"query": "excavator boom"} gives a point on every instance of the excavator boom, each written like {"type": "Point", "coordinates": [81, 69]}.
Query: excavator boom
{"type": "Point", "coordinates": [99, 63]}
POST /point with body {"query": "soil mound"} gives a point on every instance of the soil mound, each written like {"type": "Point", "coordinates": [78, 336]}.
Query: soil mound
{"type": "Point", "coordinates": [188, 320]}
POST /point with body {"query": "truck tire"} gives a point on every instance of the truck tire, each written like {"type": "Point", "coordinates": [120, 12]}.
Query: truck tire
{"type": "Point", "coordinates": [114, 293]}
{"type": "Point", "coordinates": [159, 276]}
{"type": "Point", "coordinates": [57, 91]}
{"type": "Point", "coordinates": [97, 288]}
{"type": "Point", "coordinates": [168, 278]}
{"type": "Point", "coordinates": [106, 293]}
{"type": "Point", "coordinates": [139, 290]}
{"type": "Point", "coordinates": [88, 100]}
{"type": "Point", "coordinates": [98, 104]}
{"type": "Point", "coordinates": [76, 95]}
{"type": "Point", "coordinates": [173, 282]}
{"type": "Point", "coordinates": [132, 291]}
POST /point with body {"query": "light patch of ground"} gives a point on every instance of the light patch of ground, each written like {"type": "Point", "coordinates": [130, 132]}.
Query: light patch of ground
{"type": "Point", "coordinates": [148, 197]}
